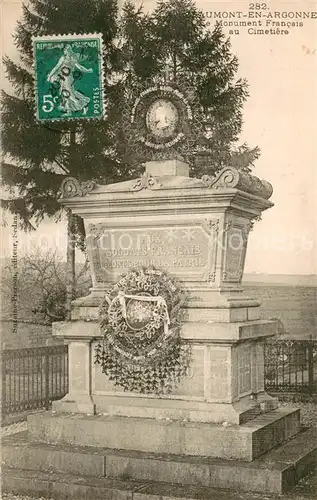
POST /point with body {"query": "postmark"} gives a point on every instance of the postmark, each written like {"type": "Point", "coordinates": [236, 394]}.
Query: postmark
{"type": "Point", "coordinates": [68, 77]}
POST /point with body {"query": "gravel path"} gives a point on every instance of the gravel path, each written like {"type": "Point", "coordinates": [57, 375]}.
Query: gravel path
{"type": "Point", "coordinates": [13, 428]}
{"type": "Point", "coordinates": [308, 412]}
{"type": "Point", "coordinates": [9, 496]}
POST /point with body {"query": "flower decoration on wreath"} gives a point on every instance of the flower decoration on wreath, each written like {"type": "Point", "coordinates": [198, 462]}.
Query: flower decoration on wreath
{"type": "Point", "coordinates": [140, 320]}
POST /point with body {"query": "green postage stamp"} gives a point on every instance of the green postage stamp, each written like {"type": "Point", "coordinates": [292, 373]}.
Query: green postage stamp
{"type": "Point", "coordinates": [68, 77]}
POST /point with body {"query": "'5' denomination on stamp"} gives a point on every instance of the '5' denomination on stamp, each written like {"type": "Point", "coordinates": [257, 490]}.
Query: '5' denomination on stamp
{"type": "Point", "coordinates": [68, 77]}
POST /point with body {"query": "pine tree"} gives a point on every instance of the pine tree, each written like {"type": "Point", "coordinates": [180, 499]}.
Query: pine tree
{"type": "Point", "coordinates": [40, 155]}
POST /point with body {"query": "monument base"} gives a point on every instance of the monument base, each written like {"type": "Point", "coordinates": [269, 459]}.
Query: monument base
{"type": "Point", "coordinates": [224, 385]}
{"type": "Point", "coordinates": [244, 442]}
{"type": "Point", "coordinates": [235, 413]}
{"type": "Point", "coordinates": [55, 459]}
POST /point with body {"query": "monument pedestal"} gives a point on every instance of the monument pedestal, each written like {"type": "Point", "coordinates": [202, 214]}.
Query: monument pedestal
{"type": "Point", "coordinates": [218, 428]}
{"type": "Point", "coordinates": [225, 383]}
{"type": "Point", "coordinates": [246, 442]}
{"type": "Point", "coordinates": [95, 456]}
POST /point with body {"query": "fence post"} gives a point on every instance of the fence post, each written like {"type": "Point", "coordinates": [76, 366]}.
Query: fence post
{"type": "Point", "coordinates": [47, 381]}
{"type": "Point", "coordinates": [310, 359]}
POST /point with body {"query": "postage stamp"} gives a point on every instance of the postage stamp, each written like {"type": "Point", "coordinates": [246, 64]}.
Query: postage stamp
{"type": "Point", "coordinates": [68, 77]}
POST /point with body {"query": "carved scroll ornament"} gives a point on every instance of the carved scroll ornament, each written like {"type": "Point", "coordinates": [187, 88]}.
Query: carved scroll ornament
{"type": "Point", "coordinates": [230, 177]}
{"type": "Point", "coordinates": [71, 187]}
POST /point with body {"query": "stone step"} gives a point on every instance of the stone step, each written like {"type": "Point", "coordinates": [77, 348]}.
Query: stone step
{"type": "Point", "coordinates": [65, 486]}
{"type": "Point", "coordinates": [243, 442]}
{"type": "Point", "coordinates": [273, 473]}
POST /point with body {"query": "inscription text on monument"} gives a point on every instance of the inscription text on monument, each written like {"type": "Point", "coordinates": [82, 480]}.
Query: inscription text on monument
{"type": "Point", "coordinates": [187, 251]}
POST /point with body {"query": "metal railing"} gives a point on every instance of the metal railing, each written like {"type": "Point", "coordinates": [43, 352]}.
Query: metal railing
{"type": "Point", "coordinates": [291, 366]}
{"type": "Point", "coordinates": [33, 378]}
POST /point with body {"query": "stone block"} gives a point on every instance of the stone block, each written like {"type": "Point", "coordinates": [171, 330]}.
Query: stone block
{"type": "Point", "coordinates": [191, 387]}
{"type": "Point", "coordinates": [215, 315]}
{"type": "Point", "coordinates": [85, 313]}
{"type": "Point", "coordinates": [194, 384]}
{"type": "Point", "coordinates": [160, 470]}
{"type": "Point", "coordinates": [19, 453]}
{"type": "Point", "coordinates": [275, 431]}
{"type": "Point", "coordinates": [253, 313]}
{"type": "Point", "coordinates": [274, 472]}
{"type": "Point", "coordinates": [220, 373]}
{"type": "Point", "coordinates": [167, 167]}
{"type": "Point", "coordinates": [226, 366]}
{"type": "Point", "coordinates": [179, 409]}
{"type": "Point", "coordinates": [78, 403]}
{"type": "Point", "coordinates": [244, 442]}
{"type": "Point", "coordinates": [48, 484]}
{"type": "Point", "coordinates": [213, 331]}
{"type": "Point", "coordinates": [202, 329]}
{"type": "Point", "coordinates": [76, 330]}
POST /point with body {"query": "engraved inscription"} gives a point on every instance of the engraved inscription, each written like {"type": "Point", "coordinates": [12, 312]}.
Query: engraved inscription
{"type": "Point", "coordinates": [186, 251]}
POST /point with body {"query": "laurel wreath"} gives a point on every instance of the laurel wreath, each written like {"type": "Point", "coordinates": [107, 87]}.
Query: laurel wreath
{"type": "Point", "coordinates": [149, 357]}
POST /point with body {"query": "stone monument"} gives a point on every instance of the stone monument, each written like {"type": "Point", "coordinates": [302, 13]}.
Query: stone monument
{"type": "Point", "coordinates": [217, 428]}
{"type": "Point", "coordinates": [197, 229]}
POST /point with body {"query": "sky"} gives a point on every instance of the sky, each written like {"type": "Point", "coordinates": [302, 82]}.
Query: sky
{"type": "Point", "coordinates": [280, 117]}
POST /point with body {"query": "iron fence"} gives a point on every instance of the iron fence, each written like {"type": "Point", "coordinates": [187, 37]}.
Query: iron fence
{"type": "Point", "coordinates": [32, 378]}
{"type": "Point", "coordinates": [291, 366]}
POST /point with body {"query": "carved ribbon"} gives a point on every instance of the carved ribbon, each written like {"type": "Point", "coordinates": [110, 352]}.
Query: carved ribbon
{"type": "Point", "coordinates": [160, 302]}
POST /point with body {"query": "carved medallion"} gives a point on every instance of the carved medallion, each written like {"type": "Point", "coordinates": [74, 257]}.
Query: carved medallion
{"type": "Point", "coordinates": [163, 119]}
